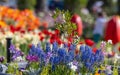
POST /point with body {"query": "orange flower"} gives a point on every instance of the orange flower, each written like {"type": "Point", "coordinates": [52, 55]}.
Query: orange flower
{"type": "Point", "coordinates": [24, 19]}
{"type": "Point", "coordinates": [97, 74]}
{"type": "Point", "coordinates": [3, 24]}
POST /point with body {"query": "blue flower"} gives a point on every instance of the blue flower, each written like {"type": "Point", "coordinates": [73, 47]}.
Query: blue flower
{"type": "Point", "coordinates": [65, 45]}
{"type": "Point", "coordinates": [32, 50]}
{"type": "Point", "coordinates": [88, 65]}
{"type": "Point", "coordinates": [72, 54]}
{"type": "Point", "coordinates": [77, 57]}
{"type": "Point", "coordinates": [99, 57]}
{"type": "Point", "coordinates": [55, 47]}
{"type": "Point", "coordinates": [68, 59]}
{"type": "Point", "coordinates": [48, 49]}
{"type": "Point", "coordinates": [72, 47]}
{"type": "Point", "coordinates": [82, 48]}
{"type": "Point", "coordinates": [62, 52]}
{"type": "Point", "coordinates": [56, 60]}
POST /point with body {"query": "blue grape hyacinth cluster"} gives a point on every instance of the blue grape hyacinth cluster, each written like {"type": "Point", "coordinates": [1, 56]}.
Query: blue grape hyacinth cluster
{"type": "Point", "coordinates": [55, 55]}
{"type": "Point", "coordinates": [91, 59]}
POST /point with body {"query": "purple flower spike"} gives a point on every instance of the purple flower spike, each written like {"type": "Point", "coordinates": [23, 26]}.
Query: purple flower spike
{"type": "Point", "coordinates": [32, 58]}
{"type": "Point", "coordinates": [12, 48]}
{"type": "Point", "coordinates": [2, 59]}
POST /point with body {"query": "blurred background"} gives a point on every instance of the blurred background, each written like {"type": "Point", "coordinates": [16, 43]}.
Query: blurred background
{"type": "Point", "coordinates": [87, 10]}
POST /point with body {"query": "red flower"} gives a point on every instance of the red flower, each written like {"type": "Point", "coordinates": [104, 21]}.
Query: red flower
{"type": "Point", "coordinates": [52, 40]}
{"type": "Point", "coordinates": [29, 29]}
{"type": "Point", "coordinates": [12, 28]}
{"type": "Point", "coordinates": [39, 33]}
{"type": "Point", "coordinates": [46, 32]}
{"type": "Point", "coordinates": [94, 50]}
{"type": "Point", "coordinates": [70, 39]}
{"type": "Point", "coordinates": [59, 41]}
{"type": "Point", "coordinates": [89, 42]}
{"type": "Point", "coordinates": [81, 42]}
{"type": "Point", "coordinates": [22, 31]}
{"type": "Point", "coordinates": [69, 44]}
{"type": "Point", "coordinates": [119, 49]}
{"type": "Point", "coordinates": [17, 28]}
{"type": "Point", "coordinates": [77, 20]}
{"type": "Point", "coordinates": [30, 45]}
{"type": "Point", "coordinates": [57, 32]}
{"type": "Point", "coordinates": [76, 52]}
{"type": "Point", "coordinates": [41, 38]}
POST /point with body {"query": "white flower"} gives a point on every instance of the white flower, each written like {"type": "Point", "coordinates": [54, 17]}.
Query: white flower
{"type": "Point", "coordinates": [103, 44]}
{"type": "Point", "coordinates": [4, 68]}
{"type": "Point", "coordinates": [19, 59]}
{"type": "Point", "coordinates": [110, 41]}
{"type": "Point", "coordinates": [72, 66]}
{"type": "Point", "coordinates": [116, 58]}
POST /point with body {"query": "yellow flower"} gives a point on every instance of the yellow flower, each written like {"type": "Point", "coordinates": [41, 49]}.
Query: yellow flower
{"type": "Point", "coordinates": [3, 24]}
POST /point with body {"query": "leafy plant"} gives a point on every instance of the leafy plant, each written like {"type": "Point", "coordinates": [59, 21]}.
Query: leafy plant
{"type": "Point", "coordinates": [64, 24]}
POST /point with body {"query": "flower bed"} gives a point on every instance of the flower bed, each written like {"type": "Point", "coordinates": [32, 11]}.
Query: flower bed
{"type": "Point", "coordinates": [54, 59]}
{"type": "Point", "coordinates": [58, 52]}
{"type": "Point", "coordinates": [22, 19]}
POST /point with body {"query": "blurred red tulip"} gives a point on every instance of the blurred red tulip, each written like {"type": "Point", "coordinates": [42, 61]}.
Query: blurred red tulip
{"type": "Point", "coordinates": [113, 29]}
{"type": "Point", "coordinates": [81, 42]}
{"type": "Point", "coordinates": [59, 41]}
{"type": "Point", "coordinates": [94, 50]}
{"type": "Point", "coordinates": [17, 28]}
{"type": "Point", "coordinates": [22, 31]}
{"type": "Point", "coordinates": [41, 38]}
{"type": "Point", "coordinates": [89, 42]}
{"type": "Point", "coordinates": [46, 32]}
{"type": "Point", "coordinates": [57, 32]}
{"type": "Point", "coordinates": [70, 39]}
{"type": "Point", "coordinates": [119, 49]}
{"type": "Point", "coordinates": [77, 20]}
{"type": "Point", "coordinates": [12, 28]}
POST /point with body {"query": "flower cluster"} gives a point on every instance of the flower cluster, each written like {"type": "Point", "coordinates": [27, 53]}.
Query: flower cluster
{"type": "Point", "coordinates": [15, 52]}
{"type": "Point", "coordinates": [22, 19]}
{"type": "Point", "coordinates": [66, 56]}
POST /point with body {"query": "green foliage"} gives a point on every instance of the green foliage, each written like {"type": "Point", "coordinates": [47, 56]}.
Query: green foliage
{"type": "Point", "coordinates": [67, 27]}
{"type": "Point", "coordinates": [59, 70]}
{"type": "Point", "coordinates": [25, 4]}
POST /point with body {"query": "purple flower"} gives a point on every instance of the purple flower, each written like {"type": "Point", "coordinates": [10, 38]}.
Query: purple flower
{"type": "Point", "coordinates": [32, 58]}
{"type": "Point", "coordinates": [47, 57]}
{"type": "Point", "coordinates": [75, 63]}
{"type": "Point", "coordinates": [17, 54]}
{"type": "Point", "coordinates": [12, 48]}
{"type": "Point", "coordinates": [2, 59]}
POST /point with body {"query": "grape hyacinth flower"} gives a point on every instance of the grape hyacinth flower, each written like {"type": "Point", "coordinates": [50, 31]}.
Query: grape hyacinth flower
{"type": "Point", "coordinates": [15, 52]}
{"type": "Point", "coordinates": [89, 59]}
{"type": "Point", "coordinates": [32, 58]}
{"type": "Point", "coordinates": [48, 49]}
{"type": "Point", "coordinates": [55, 47]}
